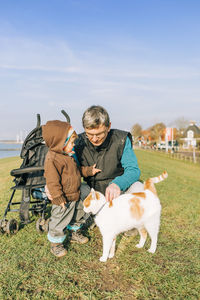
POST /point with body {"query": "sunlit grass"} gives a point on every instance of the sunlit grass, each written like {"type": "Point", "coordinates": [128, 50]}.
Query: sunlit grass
{"type": "Point", "coordinates": [29, 271]}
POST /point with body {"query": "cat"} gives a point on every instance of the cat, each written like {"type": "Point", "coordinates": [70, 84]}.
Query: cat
{"type": "Point", "coordinates": [139, 210]}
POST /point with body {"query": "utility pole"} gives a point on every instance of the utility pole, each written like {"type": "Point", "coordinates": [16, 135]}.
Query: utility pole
{"type": "Point", "coordinates": [194, 154]}
{"type": "Point", "coordinates": [166, 142]}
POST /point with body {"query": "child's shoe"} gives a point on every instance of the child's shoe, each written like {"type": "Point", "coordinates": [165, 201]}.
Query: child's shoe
{"type": "Point", "coordinates": [77, 237]}
{"type": "Point", "coordinates": [58, 250]}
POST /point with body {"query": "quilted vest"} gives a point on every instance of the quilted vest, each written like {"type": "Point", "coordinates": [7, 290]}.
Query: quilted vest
{"type": "Point", "coordinates": [107, 157]}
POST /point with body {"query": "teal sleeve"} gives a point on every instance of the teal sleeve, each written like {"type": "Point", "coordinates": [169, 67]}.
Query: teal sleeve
{"type": "Point", "coordinates": [131, 170]}
{"type": "Point", "coordinates": [75, 157]}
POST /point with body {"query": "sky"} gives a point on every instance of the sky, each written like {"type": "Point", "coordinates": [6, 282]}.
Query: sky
{"type": "Point", "coordinates": [140, 59]}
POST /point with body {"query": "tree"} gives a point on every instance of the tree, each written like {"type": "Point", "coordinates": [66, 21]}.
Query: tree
{"type": "Point", "coordinates": [181, 124]}
{"type": "Point", "coordinates": [157, 131]}
{"type": "Point", "coordinates": [136, 131]}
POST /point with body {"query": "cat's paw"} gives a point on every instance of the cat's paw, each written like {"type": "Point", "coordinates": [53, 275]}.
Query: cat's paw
{"type": "Point", "coordinates": [138, 246]}
{"type": "Point", "coordinates": [103, 259]}
{"type": "Point", "coordinates": [111, 255]}
{"type": "Point", "coordinates": [151, 250]}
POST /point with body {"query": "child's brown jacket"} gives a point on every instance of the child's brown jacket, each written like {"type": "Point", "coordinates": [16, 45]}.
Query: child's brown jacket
{"type": "Point", "coordinates": [62, 175]}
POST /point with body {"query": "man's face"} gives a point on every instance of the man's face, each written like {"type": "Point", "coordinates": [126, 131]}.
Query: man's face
{"type": "Point", "coordinates": [97, 135]}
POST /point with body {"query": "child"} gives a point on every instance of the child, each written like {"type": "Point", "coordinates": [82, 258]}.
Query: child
{"type": "Point", "coordinates": [63, 183]}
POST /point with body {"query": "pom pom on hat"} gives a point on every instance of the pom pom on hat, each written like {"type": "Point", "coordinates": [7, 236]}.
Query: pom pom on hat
{"type": "Point", "coordinates": [71, 130]}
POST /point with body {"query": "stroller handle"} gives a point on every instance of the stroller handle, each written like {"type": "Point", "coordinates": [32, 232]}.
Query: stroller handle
{"type": "Point", "coordinates": [25, 170]}
{"type": "Point", "coordinates": [66, 115]}
{"type": "Point", "coordinates": [38, 120]}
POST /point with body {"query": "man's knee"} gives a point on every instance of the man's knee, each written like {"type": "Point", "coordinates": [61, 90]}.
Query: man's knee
{"type": "Point", "coordinates": [84, 191]}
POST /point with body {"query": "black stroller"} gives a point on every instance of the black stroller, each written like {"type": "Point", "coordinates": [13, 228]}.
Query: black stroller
{"type": "Point", "coordinates": [30, 180]}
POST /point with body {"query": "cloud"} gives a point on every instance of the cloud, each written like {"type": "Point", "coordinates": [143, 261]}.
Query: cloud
{"type": "Point", "coordinates": [41, 68]}
{"type": "Point", "coordinates": [28, 54]}
{"type": "Point", "coordinates": [51, 75]}
{"type": "Point", "coordinates": [55, 56]}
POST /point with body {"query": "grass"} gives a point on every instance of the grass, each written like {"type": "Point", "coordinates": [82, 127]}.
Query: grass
{"type": "Point", "coordinates": [29, 271]}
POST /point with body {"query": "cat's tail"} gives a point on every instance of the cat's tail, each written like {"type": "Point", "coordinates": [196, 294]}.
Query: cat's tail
{"type": "Point", "coordinates": [149, 183]}
{"type": "Point", "coordinates": [159, 178]}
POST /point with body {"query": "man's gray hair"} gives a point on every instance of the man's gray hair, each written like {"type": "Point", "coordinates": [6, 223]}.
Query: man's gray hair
{"type": "Point", "coordinates": [95, 116]}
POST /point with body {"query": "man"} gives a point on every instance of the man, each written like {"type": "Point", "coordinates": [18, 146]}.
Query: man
{"type": "Point", "coordinates": [110, 153]}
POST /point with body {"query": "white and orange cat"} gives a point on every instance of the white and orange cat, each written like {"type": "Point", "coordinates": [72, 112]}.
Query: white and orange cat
{"type": "Point", "coordinates": [137, 210]}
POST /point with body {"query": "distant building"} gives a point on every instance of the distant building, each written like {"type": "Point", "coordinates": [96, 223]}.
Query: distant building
{"type": "Point", "coordinates": [145, 138]}
{"type": "Point", "coordinates": [191, 136]}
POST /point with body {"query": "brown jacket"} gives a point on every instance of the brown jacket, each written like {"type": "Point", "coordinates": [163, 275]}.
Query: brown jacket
{"type": "Point", "coordinates": [62, 175]}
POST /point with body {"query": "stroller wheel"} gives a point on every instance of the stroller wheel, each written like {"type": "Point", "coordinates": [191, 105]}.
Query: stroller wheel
{"type": "Point", "coordinates": [42, 225]}
{"type": "Point", "coordinates": [46, 225]}
{"type": "Point", "coordinates": [3, 225]}
{"type": "Point", "coordinates": [34, 211]}
{"type": "Point", "coordinates": [12, 226]}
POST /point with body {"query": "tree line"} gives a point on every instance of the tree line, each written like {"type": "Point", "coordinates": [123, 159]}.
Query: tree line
{"type": "Point", "coordinates": [156, 132]}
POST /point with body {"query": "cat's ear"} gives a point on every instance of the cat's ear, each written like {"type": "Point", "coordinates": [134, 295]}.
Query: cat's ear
{"type": "Point", "coordinates": [93, 193]}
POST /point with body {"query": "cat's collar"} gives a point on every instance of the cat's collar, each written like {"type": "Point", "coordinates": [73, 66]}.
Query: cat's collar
{"type": "Point", "coordinates": [94, 215]}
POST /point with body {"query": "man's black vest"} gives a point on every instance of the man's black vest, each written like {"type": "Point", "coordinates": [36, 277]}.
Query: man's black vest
{"type": "Point", "coordinates": [107, 157]}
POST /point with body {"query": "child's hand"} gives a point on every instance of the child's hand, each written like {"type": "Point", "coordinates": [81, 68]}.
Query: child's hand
{"type": "Point", "coordinates": [95, 170]}
{"type": "Point", "coordinates": [63, 205]}
{"type": "Point", "coordinates": [47, 193]}
{"type": "Point", "coordinates": [50, 198]}
{"type": "Point", "coordinates": [89, 170]}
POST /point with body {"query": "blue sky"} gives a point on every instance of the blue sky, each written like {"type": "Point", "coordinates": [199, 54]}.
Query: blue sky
{"type": "Point", "coordinates": [140, 59]}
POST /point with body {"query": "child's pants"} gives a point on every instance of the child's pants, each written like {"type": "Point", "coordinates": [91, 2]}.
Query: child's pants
{"type": "Point", "coordinates": [71, 217]}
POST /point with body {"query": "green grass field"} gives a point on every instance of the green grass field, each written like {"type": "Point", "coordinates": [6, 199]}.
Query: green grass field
{"type": "Point", "coordinates": [29, 271]}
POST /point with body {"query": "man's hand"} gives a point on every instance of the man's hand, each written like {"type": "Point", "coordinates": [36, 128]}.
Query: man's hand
{"type": "Point", "coordinates": [112, 191]}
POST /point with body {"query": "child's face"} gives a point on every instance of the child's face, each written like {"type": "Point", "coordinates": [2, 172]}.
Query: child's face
{"type": "Point", "coordinates": [70, 144]}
